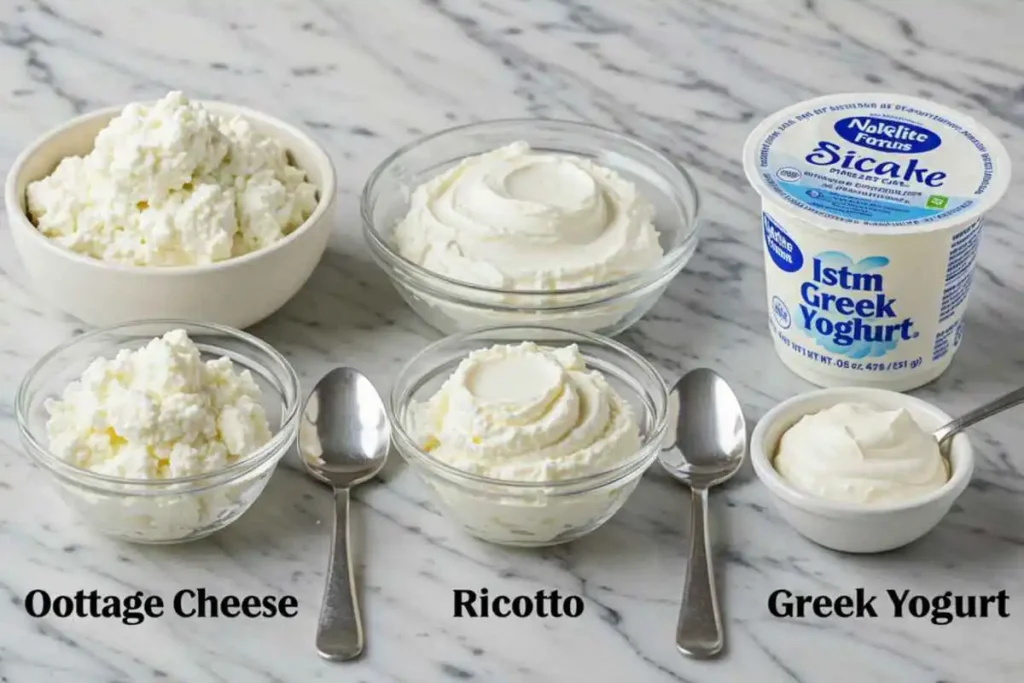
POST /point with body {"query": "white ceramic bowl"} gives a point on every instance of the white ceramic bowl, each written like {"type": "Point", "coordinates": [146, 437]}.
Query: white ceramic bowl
{"type": "Point", "coordinates": [237, 292]}
{"type": "Point", "coordinates": [844, 526]}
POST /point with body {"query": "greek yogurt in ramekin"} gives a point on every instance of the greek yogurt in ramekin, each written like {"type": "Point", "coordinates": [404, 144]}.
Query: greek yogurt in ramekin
{"type": "Point", "coordinates": [872, 206]}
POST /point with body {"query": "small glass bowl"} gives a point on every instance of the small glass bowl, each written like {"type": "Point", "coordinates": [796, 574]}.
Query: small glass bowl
{"type": "Point", "coordinates": [530, 513]}
{"type": "Point", "coordinates": [452, 305]}
{"type": "Point", "coordinates": [166, 510]}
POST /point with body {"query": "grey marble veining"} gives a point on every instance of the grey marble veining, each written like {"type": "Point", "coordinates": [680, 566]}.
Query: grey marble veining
{"type": "Point", "coordinates": [689, 76]}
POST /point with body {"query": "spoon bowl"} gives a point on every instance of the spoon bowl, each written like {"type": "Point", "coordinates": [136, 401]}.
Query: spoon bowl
{"type": "Point", "coordinates": [345, 432]}
{"type": "Point", "coordinates": [708, 445]}
{"type": "Point", "coordinates": [344, 437]}
{"type": "Point", "coordinates": [707, 437]}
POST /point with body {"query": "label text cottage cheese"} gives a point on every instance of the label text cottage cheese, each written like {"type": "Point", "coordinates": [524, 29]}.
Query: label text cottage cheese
{"type": "Point", "coordinates": [871, 218]}
{"type": "Point", "coordinates": [172, 184]}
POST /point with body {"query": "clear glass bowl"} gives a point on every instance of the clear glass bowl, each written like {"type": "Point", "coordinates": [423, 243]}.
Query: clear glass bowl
{"type": "Point", "coordinates": [607, 308]}
{"type": "Point", "coordinates": [530, 513]}
{"type": "Point", "coordinates": [166, 510]}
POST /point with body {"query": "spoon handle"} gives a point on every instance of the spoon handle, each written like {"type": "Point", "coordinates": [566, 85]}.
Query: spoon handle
{"type": "Point", "coordinates": [699, 632]}
{"type": "Point", "coordinates": [978, 414]}
{"type": "Point", "coordinates": [339, 633]}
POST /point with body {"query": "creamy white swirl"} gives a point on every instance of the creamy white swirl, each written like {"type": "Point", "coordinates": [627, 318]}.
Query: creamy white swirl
{"type": "Point", "coordinates": [858, 453]}
{"type": "Point", "coordinates": [517, 219]}
{"type": "Point", "coordinates": [527, 413]}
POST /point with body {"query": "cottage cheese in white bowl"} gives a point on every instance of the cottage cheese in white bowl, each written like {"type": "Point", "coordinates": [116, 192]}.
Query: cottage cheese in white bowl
{"type": "Point", "coordinates": [528, 436]}
{"type": "Point", "coordinates": [171, 209]}
{"type": "Point", "coordinates": [159, 431]}
{"type": "Point", "coordinates": [871, 216]}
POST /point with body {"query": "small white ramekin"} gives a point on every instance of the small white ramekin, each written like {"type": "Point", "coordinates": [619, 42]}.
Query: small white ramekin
{"type": "Point", "coordinates": [844, 526]}
{"type": "Point", "coordinates": [237, 292]}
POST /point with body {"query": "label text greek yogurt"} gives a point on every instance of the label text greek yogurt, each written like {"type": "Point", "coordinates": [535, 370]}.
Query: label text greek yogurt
{"type": "Point", "coordinates": [818, 304]}
{"type": "Point", "coordinates": [939, 609]}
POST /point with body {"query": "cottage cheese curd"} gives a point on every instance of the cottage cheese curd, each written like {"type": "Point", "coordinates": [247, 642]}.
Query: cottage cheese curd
{"type": "Point", "coordinates": [172, 184]}
{"type": "Point", "coordinates": [529, 414]}
{"type": "Point", "coordinates": [157, 413]}
{"type": "Point", "coordinates": [858, 453]}
{"type": "Point", "coordinates": [872, 206]}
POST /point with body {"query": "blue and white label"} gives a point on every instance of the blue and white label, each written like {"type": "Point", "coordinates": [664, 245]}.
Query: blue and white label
{"type": "Point", "coordinates": [781, 247]}
{"type": "Point", "coordinates": [871, 214]}
{"type": "Point", "coordinates": [880, 161]}
{"type": "Point", "coordinates": [889, 135]}
{"type": "Point", "coordinates": [867, 307]}
{"type": "Point", "coordinates": [844, 303]}
{"type": "Point", "coordinates": [845, 307]}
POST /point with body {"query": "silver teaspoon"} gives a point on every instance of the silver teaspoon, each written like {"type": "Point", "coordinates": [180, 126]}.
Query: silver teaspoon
{"type": "Point", "coordinates": [708, 446]}
{"type": "Point", "coordinates": [343, 441]}
{"type": "Point", "coordinates": [946, 432]}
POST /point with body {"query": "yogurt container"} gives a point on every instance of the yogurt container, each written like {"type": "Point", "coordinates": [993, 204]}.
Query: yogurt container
{"type": "Point", "coordinates": [871, 211]}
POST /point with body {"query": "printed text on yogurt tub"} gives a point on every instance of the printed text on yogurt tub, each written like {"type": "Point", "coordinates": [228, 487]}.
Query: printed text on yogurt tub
{"type": "Point", "coordinates": [844, 304]}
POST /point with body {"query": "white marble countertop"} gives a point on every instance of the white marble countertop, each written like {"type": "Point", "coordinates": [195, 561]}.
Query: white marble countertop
{"type": "Point", "coordinates": [691, 77]}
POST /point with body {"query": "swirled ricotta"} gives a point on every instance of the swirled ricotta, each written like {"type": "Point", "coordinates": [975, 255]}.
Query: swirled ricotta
{"type": "Point", "coordinates": [517, 219]}
{"type": "Point", "coordinates": [858, 453]}
{"type": "Point", "coordinates": [527, 413]}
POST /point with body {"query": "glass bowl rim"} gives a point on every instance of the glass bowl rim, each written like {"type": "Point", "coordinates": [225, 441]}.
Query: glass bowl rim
{"type": "Point", "coordinates": [382, 249]}
{"type": "Point", "coordinates": [644, 456]}
{"type": "Point", "coordinates": [277, 445]}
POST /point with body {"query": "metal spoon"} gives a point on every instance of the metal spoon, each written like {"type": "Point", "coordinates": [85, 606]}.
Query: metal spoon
{"type": "Point", "coordinates": [946, 432]}
{"type": "Point", "coordinates": [344, 438]}
{"type": "Point", "coordinates": [708, 445]}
